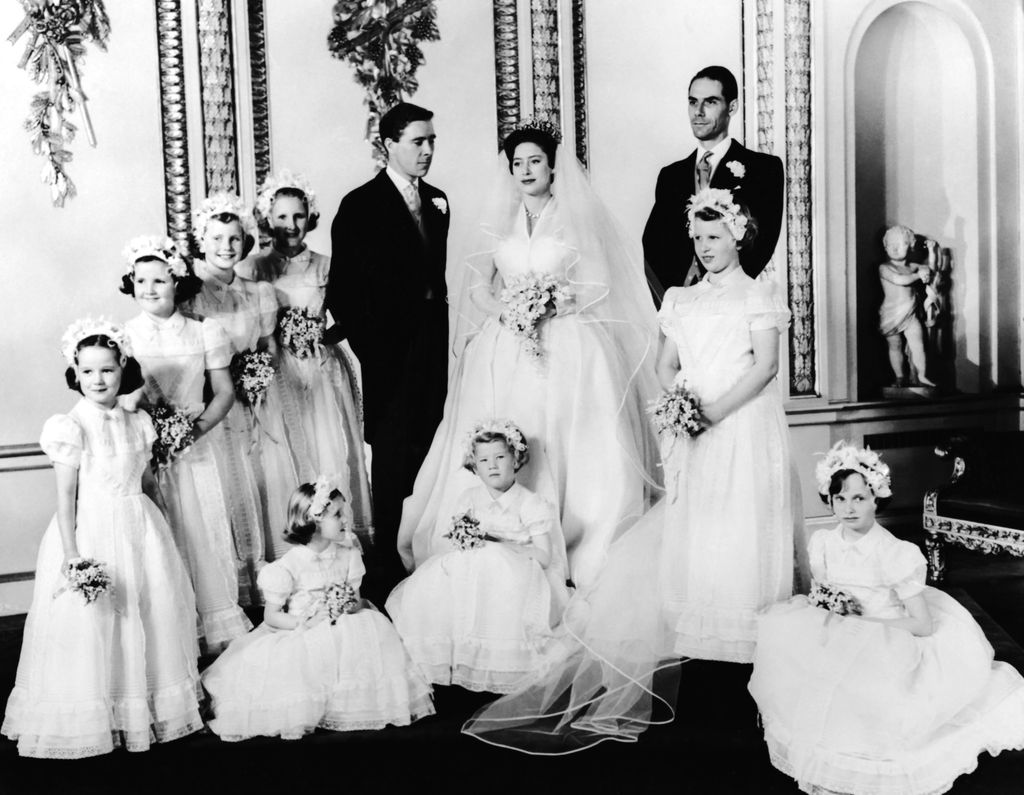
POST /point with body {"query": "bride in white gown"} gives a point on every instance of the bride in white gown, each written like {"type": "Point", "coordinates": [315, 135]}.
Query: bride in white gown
{"type": "Point", "coordinates": [581, 402]}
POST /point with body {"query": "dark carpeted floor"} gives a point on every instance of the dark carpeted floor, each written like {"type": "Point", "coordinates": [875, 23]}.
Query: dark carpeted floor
{"type": "Point", "coordinates": [713, 746]}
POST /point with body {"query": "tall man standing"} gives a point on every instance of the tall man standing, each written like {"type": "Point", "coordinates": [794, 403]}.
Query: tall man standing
{"type": "Point", "coordinates": [755, 179]}
{"type": "Point", "coordinates": [387, 294]}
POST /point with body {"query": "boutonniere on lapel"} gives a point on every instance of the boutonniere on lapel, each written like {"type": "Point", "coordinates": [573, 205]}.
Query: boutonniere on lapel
{"type": "Point", "coordinates": [737, 168]}
{"type": "Point", "coordinates": [441, 205]}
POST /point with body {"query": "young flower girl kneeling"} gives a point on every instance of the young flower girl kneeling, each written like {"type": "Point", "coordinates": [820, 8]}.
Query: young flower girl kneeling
{"type": "Point", "coordinates": [322, 657]}
{"type": "Point", "coordinates": [877, 683]}
{"type": "Point", "coordinates": [477, 612]}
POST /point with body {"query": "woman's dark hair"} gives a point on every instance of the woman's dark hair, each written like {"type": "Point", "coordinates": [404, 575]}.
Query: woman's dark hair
{"type": "Point", "coordinates": [835, 485]}
{"type": "Point", "coordinates": [131, 373]}
{"type": "Point", "coordinates": [301, 526]}
{"type": "Point", "coordinates": [711, 214]}
{"type": "Point", "coordinates": [185, 287]}
{"type": "Point", "coordinates": [544, 140]}
{"type": "Point", "coordinates": [312, 218]}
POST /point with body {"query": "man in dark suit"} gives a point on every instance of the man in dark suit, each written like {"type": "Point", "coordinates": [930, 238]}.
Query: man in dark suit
{"type": "Point", "coordinates": [755, 179]}
{"type": "Point", "coordinates": [387, 294]}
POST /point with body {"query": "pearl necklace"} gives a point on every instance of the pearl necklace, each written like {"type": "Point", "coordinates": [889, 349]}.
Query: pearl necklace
{"type": "Point", "coordinates": [536, 215]}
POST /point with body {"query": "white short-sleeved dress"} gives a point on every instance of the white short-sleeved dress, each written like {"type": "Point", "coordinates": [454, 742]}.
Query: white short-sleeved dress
{"type": "Point", "coordinates": [250, 443]}
{"type": "Point", "coordinates": [354, 674]}
{"type": "Point", "coordinates": [174, 355]}
{"type": "Point", "coordinates": [322, 409]}
{"type": "Point", "coordinates": [855, 706]}
{"type": "Point", "coordinates": [727, 549]}
{"type": "Point", "coordinates": [479, 618]}
{"type": "Point", "coordinates": [122, 670]}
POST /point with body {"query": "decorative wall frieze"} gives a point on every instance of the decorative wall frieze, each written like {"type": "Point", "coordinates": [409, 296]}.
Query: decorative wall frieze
{"type": "Point", "coordinates": [218, 106]}
{"type": "Point", "coordinates": [579, 80]}
{"type": "Point", "coordinates": [173, 120]}
{"type": "Point", "coordinates": [506, 65]}
{"type": "Point", "coordinates": [258, 89]}
{"type": "Point", "coordinates": [547, 92]}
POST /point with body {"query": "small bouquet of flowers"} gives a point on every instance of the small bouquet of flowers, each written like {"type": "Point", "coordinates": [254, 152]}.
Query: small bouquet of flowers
{"type": "Point", "coordinates": [340, 599]}
{"type": "Point", "coordinates": [677, 412]}
{"type": "Point", "coordinates": [300, 330]}
{"type": "Point", "coordinates": [251, 372]}
{"type": "Point", "coordinates": [465, 532]}
{"type": "Point", "coordinates": [174, 433]}
{"type": "Point", "coordinates": [527, 298]}
{"type": "Point", "coordinates": [87, 577]}
{"type": "Point", "coordinates": [834, 600]}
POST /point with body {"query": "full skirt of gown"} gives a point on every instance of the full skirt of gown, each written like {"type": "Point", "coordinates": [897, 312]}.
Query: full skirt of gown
{"type": "Point", "coordinates": [476, 618]}
{"type": "Point", "coordinates": [858, 707]}
{"type": "Point", "coordinates": [354, 674]}
{"type": "Point", "coordinates": [578, 413]}
{"type": "Point", "coordinates": [119, 671]}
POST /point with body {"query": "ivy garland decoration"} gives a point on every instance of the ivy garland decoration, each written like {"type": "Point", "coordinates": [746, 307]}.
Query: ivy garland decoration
{"type": "Point", "coordinates": [57, 31]}
{"type": "Point", "coordinates": [381, 40]}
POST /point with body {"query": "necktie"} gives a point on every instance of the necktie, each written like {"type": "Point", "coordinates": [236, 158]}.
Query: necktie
{"type": "Point", "coordinates": [704, 171]}
{"type": "Point", "coordinates": [412, 200]}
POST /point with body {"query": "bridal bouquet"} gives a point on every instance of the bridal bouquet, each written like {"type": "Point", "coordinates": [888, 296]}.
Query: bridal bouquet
{"type": "Point", "coordinates": [251, 372]}
{"type": "Point", "coordinates": [301, 331]}
{"type": "Point", "coordinates": [87, 577]}
{"type": "Point", "coordinates": [465, 532]}
{"type": "Point", "coordinates": [174, 433]}
{"type": "Point", "coordinates": [677, 412]}
{"type": "Point", "coordinates": [340, 599]}
{"type": "Point", "coordinates": [833, 600]}
{"type": "Point", "coordinates": [527, 299]}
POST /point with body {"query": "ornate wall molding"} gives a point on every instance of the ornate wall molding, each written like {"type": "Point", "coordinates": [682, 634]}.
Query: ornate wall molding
{"type": "Point", "coordinates": [546, 72]}
{"type": "Point", "coordinates": [765, 84]}
{"type": "Point", "coordinates": [217, 80]}
{"type": "Point", "coordinates": [579, 80]}
{"type": "Point", "coordinates": [173, 120]}
{"type": "Point", "coordinates": [802, 368]}
{"type": "Point", "coordinates": [258, 88]}
{"type": "Point", "coordinates": [506, 65]}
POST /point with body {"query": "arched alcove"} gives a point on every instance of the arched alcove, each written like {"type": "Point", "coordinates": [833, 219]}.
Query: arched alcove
{"type": "Point", "coordinates": [918, 162]}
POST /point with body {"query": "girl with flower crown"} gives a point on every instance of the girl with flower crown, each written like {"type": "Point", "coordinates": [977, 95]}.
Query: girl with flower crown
{"type": "Point", "coordinates": [119, 669]}
{"type": "Point", "coordinates": [250, 444]}
{"type": "Point", "coordinates": [895, 691]}
{"type": "Point", "coordinates": [478, 614]}
{"type": "Point", "coordinates": [180, 356]}
{"type": "Point", "coordinates": [318, 382]}
{"type": "Point", "coordinates": [323, 657]}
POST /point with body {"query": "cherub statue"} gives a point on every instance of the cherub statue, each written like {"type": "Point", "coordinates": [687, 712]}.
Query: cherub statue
{"type": "Point", "coordinates": [899, 316]}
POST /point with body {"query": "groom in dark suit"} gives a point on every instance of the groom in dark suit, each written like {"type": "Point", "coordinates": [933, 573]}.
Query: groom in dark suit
{"type": "Point", "coordinates": [387, 294]}
{"type": "Point", "coordinates": [755, 179]}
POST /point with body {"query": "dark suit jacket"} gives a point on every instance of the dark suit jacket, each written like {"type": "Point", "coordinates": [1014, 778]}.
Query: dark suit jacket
{"type": "Point", "coordinates": [668, 247]}
{"type": "Point", "coordinates": [382, 269]}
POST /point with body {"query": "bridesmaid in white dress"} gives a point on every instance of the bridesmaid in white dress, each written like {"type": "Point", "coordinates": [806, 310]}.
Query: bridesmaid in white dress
{"type": "Point", "coordinates": [178, 355]}
{"type": "Point", "coordinates": [250, 444]}
{"type": "Point", "coordinates": [122, 669]}
{"type": "Point", "coordinates": [322, 409]}
{"type": "Point", "coordinates": [581, 403]}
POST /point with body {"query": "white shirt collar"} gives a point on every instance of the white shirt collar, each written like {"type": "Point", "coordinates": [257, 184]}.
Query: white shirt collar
{"type": "Point", "coordinates": [506, 500]}
{"type": "Point", "coordinates": [401, 181]}
{"type": "Point", "coordinates": [717, 152]}
{"type": "Point", "coordinates": [863, 545]}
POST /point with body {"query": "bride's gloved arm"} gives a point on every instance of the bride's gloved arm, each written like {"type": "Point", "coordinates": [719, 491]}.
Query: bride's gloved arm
{"type": "Point", "coordinates": [482, 291]}
{"type": "Point", "coordinates": [765, 343]}
{"type": "Point", "coordinates": [668, 365]}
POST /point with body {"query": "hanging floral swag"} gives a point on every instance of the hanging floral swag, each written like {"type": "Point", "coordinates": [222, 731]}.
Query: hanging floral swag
{"type": "Point", "coordinates": [381, 40]}
{"type": "Point", "coordinates": [57, 31]}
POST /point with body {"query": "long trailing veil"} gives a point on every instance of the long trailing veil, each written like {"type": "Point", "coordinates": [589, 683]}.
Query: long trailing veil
{"type": "Point", "coordinates": [610, 671]}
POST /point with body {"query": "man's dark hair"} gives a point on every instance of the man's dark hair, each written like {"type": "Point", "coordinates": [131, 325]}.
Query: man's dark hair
{"type": "Point", "coordinates": [730, 90]}
{"type": "Point", "coordinates": [393, 123]}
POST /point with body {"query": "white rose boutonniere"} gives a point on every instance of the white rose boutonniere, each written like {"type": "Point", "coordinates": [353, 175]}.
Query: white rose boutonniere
{"type": "Point", "coordinates": [441, 205]}
{"type": "Point", "coordinates": [737, 168]}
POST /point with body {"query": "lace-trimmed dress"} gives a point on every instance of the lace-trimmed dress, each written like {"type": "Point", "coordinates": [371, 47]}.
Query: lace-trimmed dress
{"type": "Point", "coordinates": [174, 356]}
{"type": "Point", "coordinates": [354, 674]}
{"type": "Point", "coordinates": [250, 443]}
{"type": "Point", "coordinates": [320, 393]}
{"type": "Point", "coordinates": [122, 670]}
{"type": "Point", "coordinates": [727, 549]}
{"type": "Point", "coordinates": [478, 618]}
{"type": "Point", "coordinates": [858, 707]}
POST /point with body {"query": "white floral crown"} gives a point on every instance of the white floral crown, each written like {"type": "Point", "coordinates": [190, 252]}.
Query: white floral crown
{"type": "Point", "coordinates": [158, 247]}
{"type": "Point", "coordinates": [215, 204]}
{"type": "Point", "coordinates": [89, 327]}
{"type": "Point", "coordinates": [515, 438]}
{"type": "Point", "coordinates": [285, 179]}
{"type": "Point", "coordinates": [865, 462]}
{"type": "Point", "coordinates": [720, 200]}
